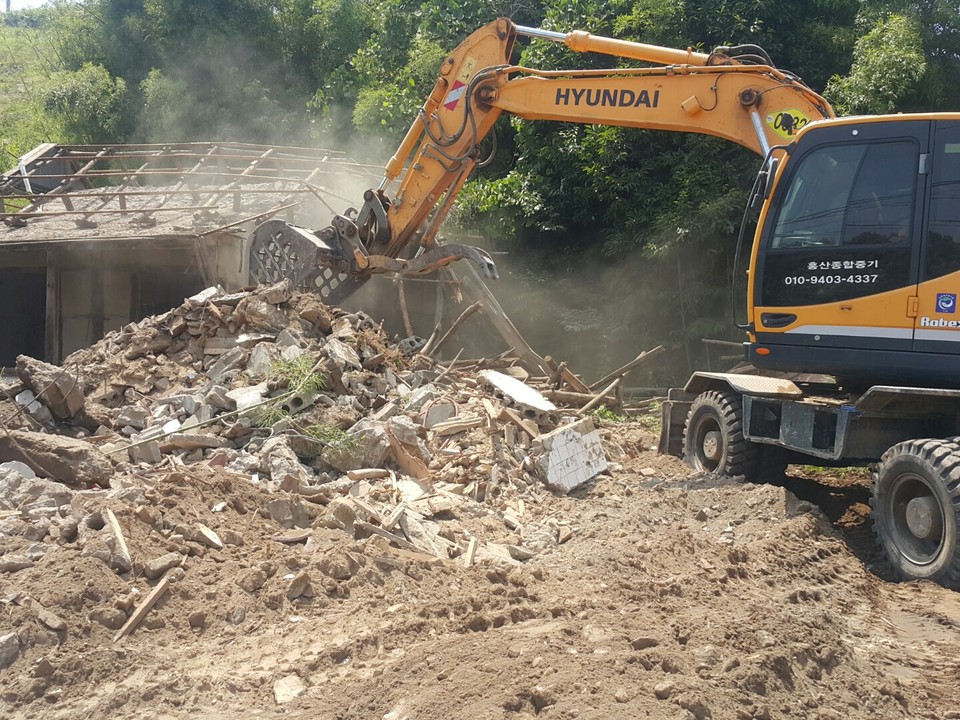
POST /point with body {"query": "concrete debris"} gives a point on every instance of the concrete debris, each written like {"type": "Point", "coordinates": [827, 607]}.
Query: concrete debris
{"type": "Point", "coordinates": [281, 463]}
{"type": "Point", "coordinates": [365, 445]}
{"type": "Point", "coordinates": [524, 398]}
{"type": "Point", "coordinates": [9, 649]}
{"type": "Point", "coordinates": [159, 565]}
{"type": "Point", "coordinates": [288, 688]}
{"type": "Point", "coordinates": [569, 456]}
{"type": "Point", "coordinates": [55, 387]}
{"type": "Point", "coordinates": [69, 460]}
{"type": "Point", "coordinates": [336, 426]}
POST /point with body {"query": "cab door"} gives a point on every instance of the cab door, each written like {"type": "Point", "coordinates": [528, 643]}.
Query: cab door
{"type": "Point", "coordinates": [838, 265]}
{"type": "Point", "coordinates": [938, 317]}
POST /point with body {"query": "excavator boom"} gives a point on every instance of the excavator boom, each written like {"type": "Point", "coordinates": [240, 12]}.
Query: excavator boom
{"type": "Point", "coordinates": [732, 93]}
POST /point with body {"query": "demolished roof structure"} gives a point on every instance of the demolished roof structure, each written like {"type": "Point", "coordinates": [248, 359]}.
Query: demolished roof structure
{"type": "Point", "coordinates": [98, 236]}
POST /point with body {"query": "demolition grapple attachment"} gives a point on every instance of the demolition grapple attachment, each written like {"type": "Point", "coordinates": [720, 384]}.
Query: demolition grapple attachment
{"type": "Point", "coordinates": [335, 261]}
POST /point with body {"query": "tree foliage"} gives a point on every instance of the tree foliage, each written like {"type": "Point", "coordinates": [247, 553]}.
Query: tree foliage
{"type": "Point", "coordinates": [90, 102]}
{"type": "Point", "coordinates": [887, 67]}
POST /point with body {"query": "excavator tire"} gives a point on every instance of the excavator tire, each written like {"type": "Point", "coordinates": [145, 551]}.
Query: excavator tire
{"type": "Point", "coordinates": [916, 510]}
{"type": "Point", "coordinates": [713, 438]}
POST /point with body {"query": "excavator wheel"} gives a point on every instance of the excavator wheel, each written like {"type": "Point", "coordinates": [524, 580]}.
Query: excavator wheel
{"type": "Point", "coordinates": [916, 510]}
{"type": "Point", "coordinates": [713, 438]}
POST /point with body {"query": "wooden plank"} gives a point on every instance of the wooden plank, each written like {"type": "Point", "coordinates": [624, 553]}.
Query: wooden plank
{"type": "Point", "coordinates": [389, 536]}
{"type": "Point", "coordinates": [511, 415]}
{"type": "Point", "coordinates": [394, 517]}
{"type": "Point", "coordinates": [471, 553]}
{"type": "Point", "coordinates": [573, 381]}
{"type": "Point", "coordinates": [452, 427]}
{"type": "Point", "coordinates": [554, 379]}
{"type": "Point", "coordinates": [408, 463]}
{"type": "Point", "coordinates": [143, 608]}
{"type": "Point", "coordinates": [622, 371]}
{"type": "Point", "coordinates": [489, 409]}
{"type": "Point", "coordinates": [575, 398]}
{"type": "Point", "coordinates": [118, 533]}
{"type": "Point", "coordinates": [600, 396]}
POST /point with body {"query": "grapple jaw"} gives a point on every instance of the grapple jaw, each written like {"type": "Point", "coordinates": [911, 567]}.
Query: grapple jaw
{"type": "Point", "coordinates": [334, 262]}
{"type": "Point", "coordinates": [314, 261]}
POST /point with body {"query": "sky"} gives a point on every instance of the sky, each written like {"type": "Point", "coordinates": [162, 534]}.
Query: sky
{"type": "Point", "coordinates": [21, 4]}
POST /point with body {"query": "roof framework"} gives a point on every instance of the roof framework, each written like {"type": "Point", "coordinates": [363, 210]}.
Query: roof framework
{"type": "Point", "coordinates": [63, 193]}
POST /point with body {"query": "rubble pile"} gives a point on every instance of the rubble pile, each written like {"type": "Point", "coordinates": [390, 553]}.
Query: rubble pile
{"type": "Point", "coordinates": [326, 422]}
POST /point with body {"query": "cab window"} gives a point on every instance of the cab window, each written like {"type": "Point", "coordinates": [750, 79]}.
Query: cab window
{"type": "Point", "coordinates": [850, 195]}
{"type": "Point", "coordinates": [943, 230]}
{"type": "Point", "coordinates": [844, 229]}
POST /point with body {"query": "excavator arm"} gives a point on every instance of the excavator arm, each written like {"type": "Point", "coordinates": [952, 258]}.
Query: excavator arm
{"type": "Point", "coordinates": [733, 93]}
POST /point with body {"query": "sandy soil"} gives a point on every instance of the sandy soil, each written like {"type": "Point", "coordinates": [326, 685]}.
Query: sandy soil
{"type": "Point", "coordinates": [675, 596]}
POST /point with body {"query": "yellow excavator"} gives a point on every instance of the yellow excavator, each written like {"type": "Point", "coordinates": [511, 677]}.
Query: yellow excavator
{"type": "Point", "coordinates": [854, 267]}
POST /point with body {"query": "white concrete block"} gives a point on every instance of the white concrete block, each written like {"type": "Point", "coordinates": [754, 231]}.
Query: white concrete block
{"type": "Point", "coordinates": [569, 456]}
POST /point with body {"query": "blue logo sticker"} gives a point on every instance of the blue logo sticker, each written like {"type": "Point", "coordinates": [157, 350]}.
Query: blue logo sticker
{"type": "Point", "coordinates": [946, 302]}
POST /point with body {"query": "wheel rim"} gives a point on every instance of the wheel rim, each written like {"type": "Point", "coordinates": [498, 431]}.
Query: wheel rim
{"type": "Point", "coordinates": [916, 519]}
{"type": "Point", "coordinates": [708, 444]}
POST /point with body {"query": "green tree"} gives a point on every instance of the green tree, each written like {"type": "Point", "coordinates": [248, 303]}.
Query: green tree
{"type": "Point", "coordinates": [90, 102]}
{"type": "Point", "coordinates": [888, 64]}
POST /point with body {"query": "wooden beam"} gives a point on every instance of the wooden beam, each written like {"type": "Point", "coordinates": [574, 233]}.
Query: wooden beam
{"type": "Point", "coordinates": [143, 608]}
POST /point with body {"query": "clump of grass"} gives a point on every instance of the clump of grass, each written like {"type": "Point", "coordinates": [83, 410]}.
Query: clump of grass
{"type": "Point", "coordinates": [326, 435]}
{"type": "Point", "coordinates": [650, 420]}
{"type": "Point", "coordinates": [603, 414]}
{"type": "Point", "coordinates": [299, 374]}
{"type": "Point", "coordinates": [269, 415]}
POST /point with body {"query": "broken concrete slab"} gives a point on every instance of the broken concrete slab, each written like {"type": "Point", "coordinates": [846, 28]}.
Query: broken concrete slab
{"type": "Point", "coordinates": [228, 361]}
{"type": "Point", "coordinates": [290, 513]}
{"type": "Point", "coordinates": [134, 416]}
{"type": "Point", "coordinates": [18, 491]}
{"type": "Point", "coordinates": [417, 399]}
{"type": "Point", "coordinates": [342, 355]}
{"type": "Point", "coordinates": [147, 452]}
{"type": "Point", "coordinates": [9, 649]}
{"type": "Point", "coordinates": [20, 469]}
{"type": "Point", "coordinates": [277, 293]}
{"type": "Point", "coordinates": [68, 460]}
{"type": "Point", "coordinates": [520, 395]}
{"type": "Point", "coordinates": [262, 359]}
{"type": "Point", "coordinates": [159, 565]}
{"type": "Point", "coordinates": [256, 313]}
{"type": "Point", "coordinates": [217, 397]}
{"type": "Point", "coordinates": [300, 586]}
{"type": "Point", "coordinates": [569, 456]}
{"type": "Point", "coordinates": [365, 445]}
{"type": "Point", "coordinates": [245, 397]}
{"type": "Point", "coordinates": [54, 386]}
{"type": "Point", "coordinates": [280, 461]}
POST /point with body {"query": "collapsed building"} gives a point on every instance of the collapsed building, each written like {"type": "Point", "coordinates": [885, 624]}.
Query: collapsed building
{"type": "Point", "coordinates": [99, 236]}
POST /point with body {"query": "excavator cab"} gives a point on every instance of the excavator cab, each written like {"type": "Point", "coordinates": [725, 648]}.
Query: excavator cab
{"type": "Point", "coordinates": [854, 262]}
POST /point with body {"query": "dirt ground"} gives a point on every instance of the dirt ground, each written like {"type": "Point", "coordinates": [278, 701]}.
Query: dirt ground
{"type": "Point", "coordinates": [648, 592]}
{"type": "Point", "coordinates": [675, 597]}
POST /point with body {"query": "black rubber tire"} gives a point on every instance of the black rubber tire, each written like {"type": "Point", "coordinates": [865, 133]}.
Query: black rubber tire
{"type": "Point", "coordinates": [713, 438]}
{"type": "Point", "coordinates": [927, 471]}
